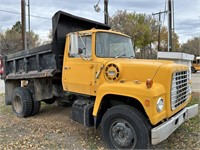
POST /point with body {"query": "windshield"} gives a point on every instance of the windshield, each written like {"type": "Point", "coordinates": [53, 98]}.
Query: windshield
{"type": "Point", "coordinates": [113, 45]}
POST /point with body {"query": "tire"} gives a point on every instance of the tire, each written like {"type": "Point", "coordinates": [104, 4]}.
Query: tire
{"type": "Point", "coordinates": [36, 104]}
{"type": "Point", "coordinates": [36, 107]}
{"type": "Point", "coordinates": [22, 102]}
{"type": "Point", "coordinates": [193, 70]}
{"type": "Point", "coordinates": [124, 127]}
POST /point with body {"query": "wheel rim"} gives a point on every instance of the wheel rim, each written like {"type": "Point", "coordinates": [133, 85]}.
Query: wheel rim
{"type": "Point", "coordinates": [123, 134]}
{"type": "Point", "coordinates": [17, 104]}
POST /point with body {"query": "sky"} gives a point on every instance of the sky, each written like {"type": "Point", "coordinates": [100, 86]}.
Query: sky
{"type": "Point", "coordinates": [186, 14]}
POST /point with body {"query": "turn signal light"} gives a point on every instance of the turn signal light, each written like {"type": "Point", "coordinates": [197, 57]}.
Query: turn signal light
{"type": "Point", "coordinates": [149, 83]}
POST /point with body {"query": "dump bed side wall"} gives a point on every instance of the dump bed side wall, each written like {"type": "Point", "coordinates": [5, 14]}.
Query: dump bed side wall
{"type": "Point", "coordinates": [35, 63]}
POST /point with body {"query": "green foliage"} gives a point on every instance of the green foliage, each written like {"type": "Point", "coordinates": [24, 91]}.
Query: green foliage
{"type": "Point", "coordinates": [11, 41]}
{"type": "Point", "coordinates": [143, 30]}
{"type": "Point", "coordinates": [138, 26]}
{"type": "Point", "coordinates": [192, 46]}
{"type": "Point", "coordinates": [164, 40]}
{"type": "Point", "coordinates": [49, 38]}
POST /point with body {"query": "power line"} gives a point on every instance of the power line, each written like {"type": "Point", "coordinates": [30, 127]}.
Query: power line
{"type": "Point", "coordinates": [34, 16]}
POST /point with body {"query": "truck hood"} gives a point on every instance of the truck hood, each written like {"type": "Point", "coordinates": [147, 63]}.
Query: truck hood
{"type": "Point", "coordinates": [133, 69]}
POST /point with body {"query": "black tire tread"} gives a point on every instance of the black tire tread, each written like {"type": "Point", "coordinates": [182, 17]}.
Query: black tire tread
{"type": "Point", "coordinates": [130, 113]}
{"type": "Point", "coordinates": [27, 103]}
{"type": "Point", "coordinates": [36, 104]}
{"type": "Point", "coordinates": [36, 107]}
{"type": "Point", "coordinates": [193, 70]}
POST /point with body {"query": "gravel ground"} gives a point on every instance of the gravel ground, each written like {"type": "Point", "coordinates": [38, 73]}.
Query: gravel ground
{"type": "Point", "coordinates": [2, 86]}
{"type": "Point", "coordinates": [196, 82]}
{"type": "Point", "coordinates": [52, 128]}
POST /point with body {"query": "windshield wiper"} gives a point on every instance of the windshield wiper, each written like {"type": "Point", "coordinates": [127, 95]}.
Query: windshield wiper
{"type": "Point", "coordinates": [120, 55]}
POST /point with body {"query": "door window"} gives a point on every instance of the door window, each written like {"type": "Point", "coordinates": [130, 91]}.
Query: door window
{"type": "Point", "coordinates": [83, 46]}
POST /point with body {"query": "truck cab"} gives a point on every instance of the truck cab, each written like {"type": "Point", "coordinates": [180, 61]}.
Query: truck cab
{"type": "Point", "coordinates": [102, 64]}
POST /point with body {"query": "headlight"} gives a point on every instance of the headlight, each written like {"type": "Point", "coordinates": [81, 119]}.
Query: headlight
{"type": "Point", "coordinates": [160, 104]}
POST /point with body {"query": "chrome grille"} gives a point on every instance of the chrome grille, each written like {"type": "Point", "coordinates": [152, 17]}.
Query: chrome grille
{"type": "Point", "coordinates": [180, 89]}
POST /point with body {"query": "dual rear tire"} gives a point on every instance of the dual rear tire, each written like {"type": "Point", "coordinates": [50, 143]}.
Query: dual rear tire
{"type": "Point", "coordinates": [23, 104]}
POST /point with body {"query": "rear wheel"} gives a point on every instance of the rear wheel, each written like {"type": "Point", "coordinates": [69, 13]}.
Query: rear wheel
{"type": "Point", "coordinates": [123, 127]}
{"type": "Point", "coordinates": [36, 104]}
{"type": "Point", "coordinates": [22, 102]}
{"type": "Point", "coordinates": [36, 107]}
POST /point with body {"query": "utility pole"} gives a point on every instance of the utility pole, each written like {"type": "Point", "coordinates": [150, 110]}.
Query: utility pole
{"type": "Point", "coordinates": [159, 13]}
{"type": "Point", "coordinates": [169, 25]}
{"type": "Point", "coordinates": [106, 11]}
{"type": "Point", "coordinates": [23, 20]}
{"type": "Point", "coordinates": [97, 9]}
{"type": "Point", "coordinates": [29, 26]}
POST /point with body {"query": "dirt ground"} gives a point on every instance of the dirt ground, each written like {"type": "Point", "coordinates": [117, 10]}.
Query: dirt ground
{"type": "Point", "coordinates": [52, 128]}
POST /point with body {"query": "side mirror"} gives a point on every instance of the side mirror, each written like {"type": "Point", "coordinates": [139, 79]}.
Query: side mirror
{"type": "Point", "coordinates": [74, 43]}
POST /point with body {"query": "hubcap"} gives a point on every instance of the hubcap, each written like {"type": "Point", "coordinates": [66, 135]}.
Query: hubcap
{"type": "Point", "coordinates": [123, 134]}
{"type": "Point", "coordinates": [17, 103]}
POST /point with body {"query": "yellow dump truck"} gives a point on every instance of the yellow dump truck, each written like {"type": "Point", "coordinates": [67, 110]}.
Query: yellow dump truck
{"type": "Point", "coordinates": [92, 68]}
{"type": "Point", "coordinates": [195, 65]}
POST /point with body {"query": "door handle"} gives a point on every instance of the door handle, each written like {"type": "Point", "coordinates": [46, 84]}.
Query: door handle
{"type": "Point", "coordinates": [67, 67]}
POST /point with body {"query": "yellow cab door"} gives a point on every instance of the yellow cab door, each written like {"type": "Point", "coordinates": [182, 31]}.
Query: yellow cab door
{"type": "Point", "coordinates": [78, 64]}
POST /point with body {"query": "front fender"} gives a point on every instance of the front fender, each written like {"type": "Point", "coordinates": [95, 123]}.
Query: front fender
{"type": "Point", "coordinates": [134, 90]}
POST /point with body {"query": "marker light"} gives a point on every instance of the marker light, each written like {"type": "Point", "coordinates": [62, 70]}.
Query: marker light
{"type": "Point", "coordinates": [149, 83]}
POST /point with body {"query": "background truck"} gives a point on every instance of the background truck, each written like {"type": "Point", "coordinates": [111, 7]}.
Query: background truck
{"type": "Point", "coordinates": [196, 64]}
{"type": "Point", "coordinates": [92, 68]}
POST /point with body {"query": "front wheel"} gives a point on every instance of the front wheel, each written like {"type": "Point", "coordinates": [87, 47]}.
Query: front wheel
{"type": "Point", "coordinates": [124, 127]}
{"type": "Point", "coordinates": [193, 70]}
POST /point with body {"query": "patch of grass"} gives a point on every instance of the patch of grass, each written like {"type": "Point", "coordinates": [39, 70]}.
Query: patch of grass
{"type": "Point", "coordinates": [3, 108]}
{"type": "Point", "coordinates": [192, 125]}
{"type": "Point", "coordinates": [195, 99]}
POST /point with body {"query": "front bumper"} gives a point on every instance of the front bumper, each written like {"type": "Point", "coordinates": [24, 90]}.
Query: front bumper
{"type": "Point", "coordinates": [161, 132]}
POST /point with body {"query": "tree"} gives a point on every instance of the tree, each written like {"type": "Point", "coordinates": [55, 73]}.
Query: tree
{"type": "Point", "coordinates": [49, 38]}
{"type": "Point", "coordinates": [140, 27]}
{"type": "Point", "coordinates": [11, 41]}
{"type": "Point", "coordinates": [192, 46]}
{"type": "Point", "coordinates": [164, 40]}
{"type": "Point", "coordinates": [143, 30]}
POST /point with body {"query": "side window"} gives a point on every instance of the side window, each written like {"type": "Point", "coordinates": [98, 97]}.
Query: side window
{"type": "Point", "coordinates": [83, 44]}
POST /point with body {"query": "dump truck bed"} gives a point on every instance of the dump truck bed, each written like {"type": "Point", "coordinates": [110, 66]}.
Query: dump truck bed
{"type": "Point", "coordinates": [46, 60]}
